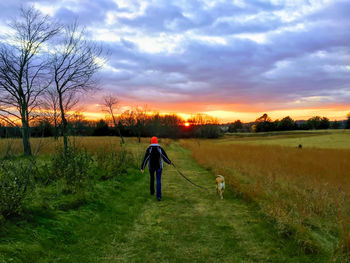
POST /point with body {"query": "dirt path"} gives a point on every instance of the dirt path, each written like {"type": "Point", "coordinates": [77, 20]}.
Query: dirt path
{"type": "Point", "coordinates": [192, 225]}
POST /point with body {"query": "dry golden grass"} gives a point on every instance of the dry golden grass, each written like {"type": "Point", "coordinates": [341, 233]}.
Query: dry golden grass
{"type": "Point", "coordinates": [327, 139]}
{"type": "Point", "coordinates": [306, 191]}
{"type": "Point", "coordinates": [92, 144]}
{"type": "Point", "coordinates": [49, 145]}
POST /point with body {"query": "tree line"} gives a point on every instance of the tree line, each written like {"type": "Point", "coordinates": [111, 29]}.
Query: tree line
{"type": "Point", "coordinates": [265, 124]}
{"type": "Point", "coordinates": [130, 123]}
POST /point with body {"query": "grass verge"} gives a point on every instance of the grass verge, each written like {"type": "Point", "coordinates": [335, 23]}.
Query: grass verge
{"type": "Point", "coordinates": [72, 228]}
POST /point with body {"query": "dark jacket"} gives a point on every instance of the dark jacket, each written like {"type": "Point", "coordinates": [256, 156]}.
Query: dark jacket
{"type": "Point", "coordinates": [154, 156]}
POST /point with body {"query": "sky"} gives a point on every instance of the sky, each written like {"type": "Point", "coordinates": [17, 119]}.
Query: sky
{"type": "Point", "coordinates": [229, 59]}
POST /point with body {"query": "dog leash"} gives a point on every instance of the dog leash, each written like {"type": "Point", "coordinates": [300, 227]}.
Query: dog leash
{"type": "Point", "coordinates": [202, 187]}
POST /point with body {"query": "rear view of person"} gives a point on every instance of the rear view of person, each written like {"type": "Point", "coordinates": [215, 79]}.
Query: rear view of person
{"type": "Point", "coordinates": [154, 157]}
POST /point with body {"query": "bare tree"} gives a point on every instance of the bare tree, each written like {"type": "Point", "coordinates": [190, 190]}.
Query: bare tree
{"type": "Point", "coordinates": [75, 63]}
{"type": "Point", "coordinates": [110, 104]}
{"type": "Point", "coordinates": [23, 71]}
{"type": "Point", "coordinates": [51, 110]}
{"type": "Point", "coordinates": [141, 117]}
{"type": "Point", "coordinates": [50, 107]}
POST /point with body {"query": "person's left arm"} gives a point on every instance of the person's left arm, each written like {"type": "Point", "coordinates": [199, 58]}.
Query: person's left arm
{"type": "Point", "coordinates": [165, 156]}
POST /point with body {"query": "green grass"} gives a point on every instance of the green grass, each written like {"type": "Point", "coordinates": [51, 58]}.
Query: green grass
{"type": "Point", "coordinates": [118, 221]}
{"type": "Point", "coordinates": [192, 225]}
{"type": "Point", "coordinates": [73, 228]}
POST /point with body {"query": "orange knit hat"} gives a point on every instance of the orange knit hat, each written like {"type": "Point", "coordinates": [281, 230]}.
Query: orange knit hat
{"type": "Point", "coordinates": [154, 140]}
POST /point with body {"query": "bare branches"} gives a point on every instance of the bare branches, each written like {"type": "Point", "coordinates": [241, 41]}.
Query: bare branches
{"type": "Point", "coordinates": [23, 72]}
{"type": "Point", "coordinates": [74, 64]}
{"type": "Point", "coordinates": [32, 30]}
{"type": "Point", "coordinates": [28, 69]}
{"type": "Point", "coordinates": [110, 104]}
{"type": "Point", "coordinates": [23, 68]}
{"type": "Point", "coordinates": [7, 120]}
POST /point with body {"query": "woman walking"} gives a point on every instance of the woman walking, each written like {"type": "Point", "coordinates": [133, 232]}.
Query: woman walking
{"type": "Point", "coordinates": [154, 157]}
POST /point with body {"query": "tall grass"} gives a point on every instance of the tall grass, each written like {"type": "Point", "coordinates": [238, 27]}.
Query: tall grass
{"type": "Point", "coordinates": [48, 145]}
{"type": "Point", "coordinates": [13, 146]}
{"type": "Point", "coordinates": [305, 191]}
{"type": "Point", "coordinates": [87, 161]}
{"type": "Point", "coordinates": [74, 208]}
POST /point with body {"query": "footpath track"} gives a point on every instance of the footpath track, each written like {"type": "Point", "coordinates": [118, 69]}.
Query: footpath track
{"type": "Point", "coordinates": [194, 225]}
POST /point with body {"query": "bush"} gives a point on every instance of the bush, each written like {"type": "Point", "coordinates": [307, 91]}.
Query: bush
{"type": "Point", "coordinates": [318, 123]}
{"type": "Point", "coordinates": [72, 165]}
{"type": "Point", "coordinates": [45, 173]}
{"type": "Point", "coordinates": [210, 131]}
{"type": "Point", "coordinates": [234, 127]}
{"type": "Point", "coordinates": [112, 164]}
{"type": "Point", "coordinates": [101, 129]}
{"type": "Point", "coordinates": [15, 179]}
{"type": "Point", "coordinates": [347, 124]}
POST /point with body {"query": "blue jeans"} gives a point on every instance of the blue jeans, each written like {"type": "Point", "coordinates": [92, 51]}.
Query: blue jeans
{"type": "Point", "coordinates": [159, 183]}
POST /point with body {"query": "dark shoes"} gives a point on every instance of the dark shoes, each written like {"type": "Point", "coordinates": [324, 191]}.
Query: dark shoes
{"type": "Point", "coordinates": [157, 197]}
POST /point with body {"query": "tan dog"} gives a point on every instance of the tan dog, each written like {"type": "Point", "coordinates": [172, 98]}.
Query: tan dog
{"type": "Point", "coordinates": [220, 185]}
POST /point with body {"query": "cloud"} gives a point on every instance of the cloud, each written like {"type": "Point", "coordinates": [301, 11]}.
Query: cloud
{"type": "Point", "coordinates": [88, 12]}
{"type": "Point", "coordinates": [188, 15]}
{"type": "Point", "coordinates": [270, 53]}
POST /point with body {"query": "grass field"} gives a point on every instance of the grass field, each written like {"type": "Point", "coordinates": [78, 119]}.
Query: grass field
{"type": "Point", "coordinates": [304, 191]}
{"type": "Point", "coordinates": [49, 145]}
{"type": "Point", "coordinates": [118, 221]}
{"type": "Point", "coordinates": [329, 139]}
{"type": "Point", "coordinates": [273, 210]}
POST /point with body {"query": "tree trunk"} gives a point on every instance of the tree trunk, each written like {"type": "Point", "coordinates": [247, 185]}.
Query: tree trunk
{"type": "Point", "coordinates": [64, 126]}
{"type": "Point", "coordinates": [64, 133]}
{"type": "Point", "coordinates": [55, 123]}
{"type": "Point", "coordinates": [56, 130]}
{"type": "Point", "coordinates": [121, 136]}
{"type": "Point", "coordinates": [118, 130]}
{"type": "Point", "coordinates": [25, 137]}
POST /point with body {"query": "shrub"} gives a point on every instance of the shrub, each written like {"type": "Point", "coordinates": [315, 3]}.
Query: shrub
{"type": "Point", "coordinates": [73, 166]}
{"type": "Point", "coordinates": [114, 163]}
{"type": "Point", "coordinates": [45, 174]}
{"type": "Point", "coordinates": [347, 124]}
{"type": "Point", "coordinates": [210, 131]}
{"type": "Point", "coordinates": [15, 179]}
{"type": "Point", "coordinates": [234, 127]}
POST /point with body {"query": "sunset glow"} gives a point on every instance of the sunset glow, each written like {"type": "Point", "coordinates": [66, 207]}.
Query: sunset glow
{"type": "Point", "coordinates": [334, 112]}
